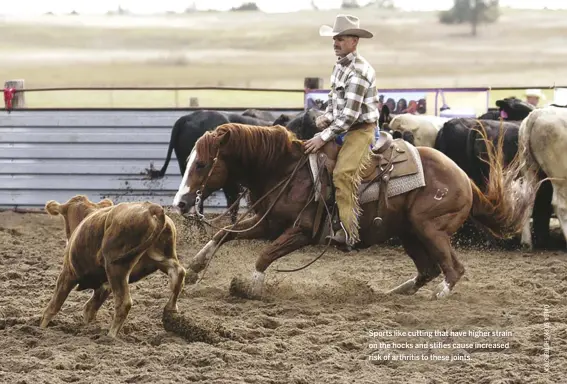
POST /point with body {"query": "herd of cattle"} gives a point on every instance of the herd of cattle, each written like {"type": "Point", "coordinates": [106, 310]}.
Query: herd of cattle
{"type": "Point", "coordinates": [457, 138]}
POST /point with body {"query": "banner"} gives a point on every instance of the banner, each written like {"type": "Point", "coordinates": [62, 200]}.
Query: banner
{"type": "Point", "coordinates": [315, 98]}
{"type": "Point", "coordinates": [398, 102]}
{"type": "Point", "coordinates": [403, 101]}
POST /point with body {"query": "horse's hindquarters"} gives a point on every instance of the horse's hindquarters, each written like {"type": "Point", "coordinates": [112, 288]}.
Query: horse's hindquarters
{"type": "Point", "coordinates": [446, 198]}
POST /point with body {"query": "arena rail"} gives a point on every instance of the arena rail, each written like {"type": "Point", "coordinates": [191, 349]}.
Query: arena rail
{"type": "Point", "coordinates": [14, 91]}
{"type": "Point", "coordinates": [55, 153]}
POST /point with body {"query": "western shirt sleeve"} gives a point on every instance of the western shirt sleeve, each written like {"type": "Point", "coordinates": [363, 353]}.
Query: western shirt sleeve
{"type": "Point", "coordinates": [329, 110]}
{"type": "Point", "coordinates": [354, 93]}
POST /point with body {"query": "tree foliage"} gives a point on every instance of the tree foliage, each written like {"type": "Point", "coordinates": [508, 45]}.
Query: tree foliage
{"type": "Point", "coordinates": [250, 6]}
{"type": "Point", "coordinates": [350, 4]}
{"type": "Point", "coordinates": [471, 11]}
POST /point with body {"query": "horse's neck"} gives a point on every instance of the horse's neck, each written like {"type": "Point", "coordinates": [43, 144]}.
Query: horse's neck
{"type": "Point", "coordinates": [261, 181]}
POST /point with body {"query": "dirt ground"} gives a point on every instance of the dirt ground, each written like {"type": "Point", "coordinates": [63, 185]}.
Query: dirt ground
{"type": "Point", "coordinates": [312, 326]}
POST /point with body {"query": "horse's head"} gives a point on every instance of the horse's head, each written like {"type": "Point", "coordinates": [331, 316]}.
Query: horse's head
{"type": "Point", "coordinates": [249, 153]}
{"type": "Point", "coordinates": [205, 173]}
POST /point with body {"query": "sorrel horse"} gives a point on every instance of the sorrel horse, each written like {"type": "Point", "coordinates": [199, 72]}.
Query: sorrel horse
{"type": "Point", "coordinates": [271, 163]}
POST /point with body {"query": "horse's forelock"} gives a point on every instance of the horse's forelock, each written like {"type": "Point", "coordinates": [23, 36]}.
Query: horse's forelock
{"type": "Point", "coordinates": [206, 146]}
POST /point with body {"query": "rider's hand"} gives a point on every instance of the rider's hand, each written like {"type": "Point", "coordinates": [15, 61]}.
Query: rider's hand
{"type": "Point", "coordinates": [322, 122]}
{"type": "Point", "coordinates": [314, 144]}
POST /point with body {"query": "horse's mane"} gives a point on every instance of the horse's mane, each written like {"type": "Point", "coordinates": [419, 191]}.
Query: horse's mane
{"type": "Point", "coordinates": [256, 147]}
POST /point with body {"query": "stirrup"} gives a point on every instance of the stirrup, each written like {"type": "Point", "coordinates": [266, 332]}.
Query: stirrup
{"type": "Point", "coordinates": [341, 238]}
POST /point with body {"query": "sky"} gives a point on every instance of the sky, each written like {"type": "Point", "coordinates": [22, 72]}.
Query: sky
{"type": "Point", "coordinates": [32, 7]}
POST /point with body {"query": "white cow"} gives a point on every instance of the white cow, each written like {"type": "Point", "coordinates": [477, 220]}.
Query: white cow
{"type": "Point", "coordinates": [542, 143]}
{"type": "Point", "coordinates": [424, 128]}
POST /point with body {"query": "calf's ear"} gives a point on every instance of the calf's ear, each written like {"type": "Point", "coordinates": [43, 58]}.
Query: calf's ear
{"type": "Point", "coordinates": [53, 208]}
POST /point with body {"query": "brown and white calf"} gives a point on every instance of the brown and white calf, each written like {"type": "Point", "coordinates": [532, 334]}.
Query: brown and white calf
{"type": "Point", "coordinates": [110, 246]}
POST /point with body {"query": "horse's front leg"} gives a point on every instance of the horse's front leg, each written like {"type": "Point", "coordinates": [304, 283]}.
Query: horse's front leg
{"type": "Point", "coordinates": [201, 259]}
{"type": "Point", "coordinates": [292, 239]}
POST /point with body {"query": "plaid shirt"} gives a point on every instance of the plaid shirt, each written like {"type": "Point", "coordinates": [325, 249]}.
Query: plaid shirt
{"type": "Point", "coordinates": [353, 97]}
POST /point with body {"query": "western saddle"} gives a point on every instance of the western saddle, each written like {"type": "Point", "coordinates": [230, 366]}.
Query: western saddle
{"type": "Point", "coordinates": [390, 159]}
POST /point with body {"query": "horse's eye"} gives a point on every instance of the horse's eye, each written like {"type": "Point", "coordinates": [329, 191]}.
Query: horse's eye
{"type": "Point", "coordinates": [200, 165]}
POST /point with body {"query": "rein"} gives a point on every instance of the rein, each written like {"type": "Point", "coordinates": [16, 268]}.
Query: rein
{"type": "Point", "coordinates": [300, 163]}
{"type": "Point", "coordinates": [201, 217]}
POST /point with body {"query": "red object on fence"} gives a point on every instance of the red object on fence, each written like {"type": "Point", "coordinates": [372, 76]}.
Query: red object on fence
{"type": "Point", "coordinates": [9, 97]}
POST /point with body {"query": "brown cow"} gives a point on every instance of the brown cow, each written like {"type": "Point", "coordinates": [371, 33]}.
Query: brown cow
{"type": "Point", "coordinates": [110, 246]}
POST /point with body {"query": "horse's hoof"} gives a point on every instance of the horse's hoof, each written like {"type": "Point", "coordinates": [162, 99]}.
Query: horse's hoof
{"type": "Point", "coordinates": [240, 287]}
{"type": "Point", "coordinates": [407, 288]}
{"type": "Point", "coordinates": [442, 291]}
{"type": "Point", "coordinates": [527, 247]}
{"type": "Point", "coordinates": [191, 277]}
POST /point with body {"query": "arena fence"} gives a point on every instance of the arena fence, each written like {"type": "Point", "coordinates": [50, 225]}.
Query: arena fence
{"type": "Point", "coordinates": [56, 154]}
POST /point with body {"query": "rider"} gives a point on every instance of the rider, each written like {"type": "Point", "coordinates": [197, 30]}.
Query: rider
{"type": "Point", "coordinates": [351, 117]}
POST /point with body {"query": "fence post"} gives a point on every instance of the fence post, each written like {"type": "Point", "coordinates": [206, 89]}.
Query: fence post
{"type": "Point", "coordinates": [313, 83]}
{"type": "Point", "coordinates": [14, 99]}
{"type": "Point", "coordinates": [194, 102]}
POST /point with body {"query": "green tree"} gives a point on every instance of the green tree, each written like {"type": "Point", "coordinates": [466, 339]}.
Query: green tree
{"type": "Point", "coordinates": [349, 4]}
{"type": "Point", "coordinates": [250, 6]}
{"type": "Point", "coordinates": [471, 11]}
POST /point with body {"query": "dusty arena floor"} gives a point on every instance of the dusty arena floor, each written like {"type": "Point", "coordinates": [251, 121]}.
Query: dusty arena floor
{"type": "Point", "coordinates": [313, 326]}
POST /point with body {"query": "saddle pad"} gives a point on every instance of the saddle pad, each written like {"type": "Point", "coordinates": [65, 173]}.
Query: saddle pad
{"type": "Point", "coordinates": [398, 185]}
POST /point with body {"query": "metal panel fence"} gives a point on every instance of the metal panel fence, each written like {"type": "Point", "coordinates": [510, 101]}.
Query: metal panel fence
{"type": "Point", "coordinates": [57, 154]}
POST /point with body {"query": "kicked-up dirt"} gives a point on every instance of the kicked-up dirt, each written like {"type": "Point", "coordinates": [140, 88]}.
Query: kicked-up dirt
{"type": "Point", "coordinates": [329, 323]}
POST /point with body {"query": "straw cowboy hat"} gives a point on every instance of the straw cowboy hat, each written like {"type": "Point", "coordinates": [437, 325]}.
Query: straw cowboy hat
{"type": "Point", "coordinates": [535, 93]}
{"type": "Point", "coordinates": [345, 25]}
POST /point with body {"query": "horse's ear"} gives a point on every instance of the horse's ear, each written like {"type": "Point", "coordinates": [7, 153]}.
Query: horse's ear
{"type": "Point", "coordinates": [222, 135]}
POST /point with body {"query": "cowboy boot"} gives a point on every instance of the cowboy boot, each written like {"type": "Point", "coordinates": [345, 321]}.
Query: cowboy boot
{"type": "Point", "coordinates": [340, 237]}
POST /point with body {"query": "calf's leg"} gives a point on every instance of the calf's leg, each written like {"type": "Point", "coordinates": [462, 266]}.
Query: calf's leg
{"type": "Point", "coordinates": [95, 302]}
{"type": "Point", "coordinates": [65, 283]}
{"type": "Point", "coordinates": [176, 273]}
{"type": "Point", "coordinates": [118, 279]}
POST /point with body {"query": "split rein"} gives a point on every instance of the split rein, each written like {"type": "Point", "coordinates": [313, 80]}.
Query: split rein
{"type": "Point", "coordinates": [227, 230]}
{"type": "Point", "coordinates": [201, 217]}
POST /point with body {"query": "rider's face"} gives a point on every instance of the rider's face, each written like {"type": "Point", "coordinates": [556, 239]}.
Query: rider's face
{"type": "Point", "coordinates": [344, 45]}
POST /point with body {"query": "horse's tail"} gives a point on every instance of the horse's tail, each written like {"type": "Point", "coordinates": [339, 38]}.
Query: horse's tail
{"type": "Point", "coordinates": [506, 202]}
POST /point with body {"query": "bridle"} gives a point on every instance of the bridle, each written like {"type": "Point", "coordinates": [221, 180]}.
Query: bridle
{"type": "Point", "coordinates": [203, 184]}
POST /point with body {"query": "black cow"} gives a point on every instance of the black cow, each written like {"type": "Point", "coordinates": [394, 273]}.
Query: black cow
{"type": "Point", "coordinates": [459, 140]}
{"type": "Point", "coordinates": [510, 109]}
{"type": "Point", "coordinates": [258, 114]}
{"type": "Point", "coordinates": [185, 133]}
{"type": "Point", "coordinates": [303, 124]}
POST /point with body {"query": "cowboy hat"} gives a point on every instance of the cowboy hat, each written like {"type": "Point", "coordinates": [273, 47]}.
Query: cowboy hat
{"type": "Point", "coordinates": [345, 25]}
{"type": "Point", "coordinates": [535, 93]}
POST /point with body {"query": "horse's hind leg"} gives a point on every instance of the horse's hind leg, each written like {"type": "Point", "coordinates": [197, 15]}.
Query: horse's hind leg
{"type": "Point", "coordinates": [438, 246]}
{"type": "Point", "coordinates": [427, 269]}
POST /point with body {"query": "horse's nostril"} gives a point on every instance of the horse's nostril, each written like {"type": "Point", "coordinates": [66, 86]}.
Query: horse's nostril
{"type": "Point", "coordinates": [181, 204]}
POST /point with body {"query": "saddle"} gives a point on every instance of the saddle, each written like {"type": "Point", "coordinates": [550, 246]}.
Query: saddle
{"type": "Point", "coordinates": [390, 159]}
